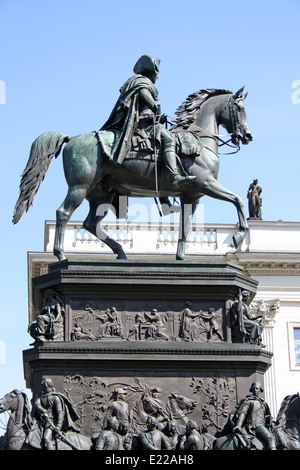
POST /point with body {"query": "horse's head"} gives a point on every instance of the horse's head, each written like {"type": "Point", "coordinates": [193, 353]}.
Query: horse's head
{"type": "Point", "coordinates": [10, 401]}
{"type": "Point", "coordinates": [183, 402]}
{"type": "Point", "coordinates": [233, 118]}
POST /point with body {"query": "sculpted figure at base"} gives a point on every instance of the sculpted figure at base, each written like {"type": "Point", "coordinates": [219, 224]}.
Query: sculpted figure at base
{"type": "Point", "coordinates": [153, 438]}
{"type": "Point", "coordinates": [253, 416]}
{"type": "Point", "coordinates": [156, 325]}
{"type": "Point", "coordinates": [78, 333]}
{"type": "Point", "coordinates": [109, 439]}
{"type": "Point", "coordinates": [214, 328]}
{"type": "Point", "coordinates": [192, 439]}
{"type": "Point", "coordinates": [110, 324]}
{"type": "Point", "coordinates": [54, 413]}
{"type": "Point", "coordinates": [49, 322]}
{"type": "Point", "coordinates": [187, 329]}
{"type": "Point", "coordinates": [153, 406]}
{"type": "Point", "coordinates": [135, 330]}
{"type": "Point", "coordinates": [119, 408]}
{"type": "Point", "coordinates": [246, 328]}
{"type": "Point", "coordinates": [170, 430]}
{"type": "Point", "coordinates": [115, 327]}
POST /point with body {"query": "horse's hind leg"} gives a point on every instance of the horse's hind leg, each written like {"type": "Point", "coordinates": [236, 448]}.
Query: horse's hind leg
{"type": "Point", "coordinates": [98, 210]}
{"type": "Point", "coordinates": [74, 198]}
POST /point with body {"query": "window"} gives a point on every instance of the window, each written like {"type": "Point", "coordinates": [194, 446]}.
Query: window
{"type": "Point", "coordinates": [294, 345]}
{"type": "Point", "coordinates": [297, 345]}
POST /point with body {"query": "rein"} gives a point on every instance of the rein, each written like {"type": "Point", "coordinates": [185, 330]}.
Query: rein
{"type": "Point", "coordinates": [218, 137]}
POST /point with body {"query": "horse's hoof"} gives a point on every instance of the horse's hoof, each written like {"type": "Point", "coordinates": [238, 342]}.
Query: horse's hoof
{"type": "Point", "coordinates": [121, 255]}
{"type": "Point", "coordinates": [237, 239]}
{"type": "Point", "coordinates": [59, 255]}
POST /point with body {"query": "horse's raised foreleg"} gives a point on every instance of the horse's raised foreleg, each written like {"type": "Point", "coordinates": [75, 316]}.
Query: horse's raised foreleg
{"type": "Point", "coordinates": [75, 196]}
{"type": "Point", "coordinates": [186, 216]}
{"type": "Point", "coordinates": [98, 210]}
{"type": "Point", "coordinates": [214, 189]}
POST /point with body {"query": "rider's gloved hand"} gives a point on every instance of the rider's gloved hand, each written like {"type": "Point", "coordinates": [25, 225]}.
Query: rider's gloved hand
{"type": "Point", "coordinates": [163, 119]}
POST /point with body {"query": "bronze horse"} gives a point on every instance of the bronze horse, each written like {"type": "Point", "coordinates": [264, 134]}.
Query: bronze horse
{"type": "Point", "coordinates": [90, 175]}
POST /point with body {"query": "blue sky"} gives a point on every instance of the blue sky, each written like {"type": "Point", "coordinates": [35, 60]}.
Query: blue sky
{"type": "Point", "coordinates": [62, 64]}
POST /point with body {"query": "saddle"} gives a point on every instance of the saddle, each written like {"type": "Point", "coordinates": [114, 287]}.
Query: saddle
{"type": "Point", "coordinates": [144, 146]}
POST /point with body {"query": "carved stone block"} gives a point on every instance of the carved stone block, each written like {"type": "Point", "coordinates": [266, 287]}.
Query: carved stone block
{"type": "Point", "coordinates": [146, 334]}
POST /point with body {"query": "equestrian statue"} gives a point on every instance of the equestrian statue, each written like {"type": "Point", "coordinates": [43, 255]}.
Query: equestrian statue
{"type": "Point", "coordinates": [134, 154]}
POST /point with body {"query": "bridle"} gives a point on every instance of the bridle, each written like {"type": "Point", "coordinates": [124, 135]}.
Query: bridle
{"type": "Point", "coordinates": [233, 141]}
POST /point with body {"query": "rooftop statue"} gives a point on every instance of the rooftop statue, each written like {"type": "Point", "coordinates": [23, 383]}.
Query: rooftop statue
{"type": "Point", "coordinates": [134, 155]}
{"type": "Point", "coordinates": [254, 200]}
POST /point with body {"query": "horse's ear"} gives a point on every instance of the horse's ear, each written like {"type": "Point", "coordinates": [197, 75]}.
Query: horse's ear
{"type": "Point", "coordinates": [239, 92]}
{"type": "Point", "coordinates": [245, 95]}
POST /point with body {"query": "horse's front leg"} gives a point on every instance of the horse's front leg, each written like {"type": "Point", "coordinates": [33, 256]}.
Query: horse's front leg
{"type": "Point", "coordinates": [186, 216]}
{"type": "Point", "coordinates": [214, 189]}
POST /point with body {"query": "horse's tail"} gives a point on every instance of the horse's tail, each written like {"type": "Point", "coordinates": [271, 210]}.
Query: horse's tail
{"type": "Point", "coordinates": [42, 151]}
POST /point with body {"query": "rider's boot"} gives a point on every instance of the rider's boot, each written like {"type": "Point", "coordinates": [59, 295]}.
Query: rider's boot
{"type": "Point", "coordinates": [271, 444]}
{"type": "Point", "coordinates": [176, 179]}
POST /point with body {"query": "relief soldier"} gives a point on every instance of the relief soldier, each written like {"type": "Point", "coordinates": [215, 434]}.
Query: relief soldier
{"type": "Point", "coordinates": [109, 439]}
{"type": "Point", "coordinates": [253, 415]}
{"type": "Point", "coordinates": [54, 413]}
{"type": "Point", "coordinates": [153, 438]}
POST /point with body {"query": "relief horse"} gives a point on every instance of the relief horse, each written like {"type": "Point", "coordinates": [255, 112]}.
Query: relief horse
{"type": "Point", "coordinates": [91, 175]}
{"type": "Point", "coordinates": [287, 426]}
{"type": "Point", "coordinates": [22, 433]}
{"type": "Point", "coordinates": [19, 421]}
{"type": "Point", "coordinates": [179, 407]}
{"type": "Point", "coordinates": [176, 409]}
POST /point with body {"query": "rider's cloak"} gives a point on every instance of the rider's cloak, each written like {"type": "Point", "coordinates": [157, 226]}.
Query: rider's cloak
{"type": "Point", "coordinates": [120, 126]}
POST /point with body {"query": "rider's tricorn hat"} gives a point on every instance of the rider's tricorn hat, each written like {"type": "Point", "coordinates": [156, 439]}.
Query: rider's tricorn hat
{"type": "Point", "coordinates": [146, 62]}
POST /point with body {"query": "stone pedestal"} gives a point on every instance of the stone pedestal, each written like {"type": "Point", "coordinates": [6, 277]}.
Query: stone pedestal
{"type": "Point", "coordinates": [123, 339]}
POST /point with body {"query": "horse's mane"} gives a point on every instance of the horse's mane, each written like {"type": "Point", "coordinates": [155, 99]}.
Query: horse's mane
{"type": "Point", "coordinates": [186, 112]}
{"type": "Point", "coordinates": [284, 406]}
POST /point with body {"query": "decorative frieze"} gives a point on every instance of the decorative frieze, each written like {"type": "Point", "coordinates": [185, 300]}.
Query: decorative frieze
{"type": "Point", "coordinates": [208, 401]}
{"type": "Point", "coordinates": [92, 322]}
